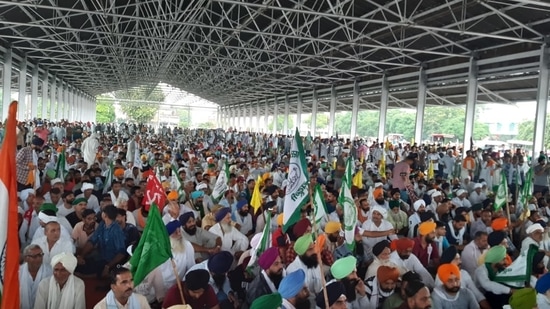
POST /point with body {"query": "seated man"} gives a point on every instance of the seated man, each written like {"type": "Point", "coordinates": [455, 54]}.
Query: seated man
{"type": "Point", "coordinates": [197, 291]}
{"type": "Point", "coordinates": [63, 289]}
{"type": "Point", "coordinates": [109, 241]}
{"type": "Point", "coordinates": [232, 240]}
{"type": "Point", "coordinates": [449, 292]}
{"type": "Point", "coordinates": [122, 293]}
{"type": "Point", "coordinates": [497, 294]}
{"type": "Point", "coordinates": [52, 243]}
{"type": "Point", "coordinates": [204, 242]}
{"type": "Point", "coordinates": [31, 273]}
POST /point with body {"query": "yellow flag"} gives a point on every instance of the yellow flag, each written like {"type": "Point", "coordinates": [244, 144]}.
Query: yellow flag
{"type": "Point", "coordinates": [256, 201]}
{"type": "Point", "coordinates": [358, 179]}
{"type": "Point", "coordinates": [382, 166]}
{"type": "Point", "coordinates": [431, 170]}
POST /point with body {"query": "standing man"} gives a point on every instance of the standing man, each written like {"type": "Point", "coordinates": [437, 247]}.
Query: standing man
{"type": "Point", "coordinates": [541, 171]}
{"type": "Point", "coordinates": [122, 293]}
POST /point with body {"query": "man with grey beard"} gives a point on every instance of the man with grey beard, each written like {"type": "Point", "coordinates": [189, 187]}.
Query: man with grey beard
{"type": "Point", "coordinates": [182, 252]}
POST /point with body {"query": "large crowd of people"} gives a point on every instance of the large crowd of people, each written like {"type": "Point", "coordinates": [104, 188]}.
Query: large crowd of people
{"type": "Point", "coordinates": [429, 233]}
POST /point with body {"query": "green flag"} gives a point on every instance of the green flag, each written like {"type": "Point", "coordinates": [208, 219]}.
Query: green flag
{"type": "Point", "coordinates": [109, 178]}
{"type": "Point", "coordinates": [348, 205]}
{"type": "Point", "coordinates": [153, 249]}
{"type": "Point", "coordinates": [263, 244]}
{"type": "Point", "coordinates": [528, 188]}
{"type": "Point", "coordinates": [319, 207]}
{"type": "Point", "coordinates": [297, 190]}
{"type": "Point", "coordinates": [519, 272]}
{"type": "Point", "coordinates": [61, 166]}
{"type": "Point", "coordinates": [502, 193]}
{"type": "Point", "coordinates": [221, 183]}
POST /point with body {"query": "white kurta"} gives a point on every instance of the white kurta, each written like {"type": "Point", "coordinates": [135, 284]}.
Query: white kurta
{"type": "Point", "coordinates": [60, 246]}
{"type": "Point", "coordinates": [43, 289]}
{"type": "Point", "coordinates": [232, 241]}
{"type": "Point", "coordinates": [412, 263]}
{"type": "Point", "coordinates": [29, 287]}
{"type": "Point", "coordinates": [183, 260]}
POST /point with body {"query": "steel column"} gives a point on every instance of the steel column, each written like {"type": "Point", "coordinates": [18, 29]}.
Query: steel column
{"type": "Point", "coordinates": [45, 99]}
{"type": "Point", "coordinates": [66, 101]}
{"type": "Point", "coordinates": [470, 104]}
{"type": "Point", "coordinates": [94, 109]}
{"type": "Point", "coordinates": [332, 112]}
{"type": "Point", "coordinates": [314, 103]}
{"type": "Point", "coordinates": [354, 110]}
{"type": "Point", "coordinates": [259, 127]}
{"type": "Point", "coordinates": [250, 116]}
{"type": "Point", "coordinates": [422, 88]}
{"type": "Point", "coordinates": [287, 111]}
{"type": "Point", "coordinates": [275, 116]}
{"type": "Point", "coordinates": [240, 113]}
{"type": "Point", "coordinates": [60, 100]}
{"type": "Point", "coordinates": [22, 93]}
{"type": "Point", "coordinates": [384, 97]}
{"type": "Point", "coordinates": [6, 84]}
{"type": "Point", "coordinates": [34, 92]}
{"type": "Point", "coordinates": [266, 116]}
{"type": "Point", "coordinates": [53, 102]}
{"type": "Point", "coordinates": [299, 112]}
{"type": "Point", "coordinates": [542, 102]}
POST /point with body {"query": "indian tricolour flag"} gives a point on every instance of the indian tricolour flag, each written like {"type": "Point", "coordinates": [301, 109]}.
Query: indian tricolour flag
{"type": "Point", "coordinates": [297, 190]}
{"type": "Point", "coordinates": [348, 205]}
{"type": "Point", "coordinates": [9, 240]}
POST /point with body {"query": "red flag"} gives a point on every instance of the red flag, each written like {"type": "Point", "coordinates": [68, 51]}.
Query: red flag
{"type": "Point", "coordinates": [9, 239]}
{"type": "Point", "coordinates": [154, 193]}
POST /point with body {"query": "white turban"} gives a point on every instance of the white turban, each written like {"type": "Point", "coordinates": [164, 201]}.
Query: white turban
{"type": "Point", "coordinates": [68, 260]}
{"type": "Point", "coordinates": [55, 181]}
{"type": "Point", "coordinates": [478, 186]}
{"type": "Point", "coordinates": [45, 218]}
{"type": "Point", "coordinates": [534, 228]}
{"type": "Point", "coordinates": [419, 203]}
{"type": "Point", "coordinates": [381, 210]}
{"type": "Point", "coordinates": [24, 195]}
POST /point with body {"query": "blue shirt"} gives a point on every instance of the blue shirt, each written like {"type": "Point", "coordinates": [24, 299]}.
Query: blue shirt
{"type": "Point", "coordinates": [109, 240]}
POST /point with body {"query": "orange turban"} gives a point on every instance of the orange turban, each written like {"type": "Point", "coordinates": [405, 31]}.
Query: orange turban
{"type": "Point", "coordinates": [402, 244]}
{"type": "Point", "coordinates": [426, 228]}
{"type": "Point", "coordinates": [119, 172]}
{"type": "Point", "coordinates": [172, 196]}
{"type": "Point", "coordinates": [385, 273]}
{"type": "Point", "coordinates": [499, 224]}
{"type": "Point", "coordinates": [445, 271]}
{"type": "Point", "coordinates": [378, 193]}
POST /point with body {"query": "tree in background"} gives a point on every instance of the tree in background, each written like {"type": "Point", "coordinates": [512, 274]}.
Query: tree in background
{"type": "Point", "coordinates": [207, 125]}
{"type": "Point", "coordinates": [437, 119]}
{"type": "Point", "coordinates": [526, 131]}
{"type": "Point", "coordinates": [281, 123]}
{"type": "Point", "coordinates": [105, 111]}
{"type": "Point", "coordinates": [322, 121]}
{"type": "Point", "coordinates": [185, 118]}
{"type": "Point", "coordinates": [140, 109]}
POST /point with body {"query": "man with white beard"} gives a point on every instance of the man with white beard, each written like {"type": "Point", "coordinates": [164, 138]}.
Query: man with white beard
{"type": "Point", "coordinates": [31, 273]}
{"type": "Point", "coordinates": [232, 240]}
{"type": "Point", "coordinates": [183, 255]}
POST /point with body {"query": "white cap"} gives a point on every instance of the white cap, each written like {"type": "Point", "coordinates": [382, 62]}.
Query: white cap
{"type": "Point", "coordinates": [534, 228]}
{"type": "Point", "coordinates": [378, 184]}
{"type": "Point", "coordinates": [55, 180]}
{"type": "Point", "coordinates": [201, 186]}
{"type": "Point", "coordinates": [87, 186]}
{"type": "Point", "coordinates": [436, 194]}
{"type": "Point", "coordinates": [459, 192]}
{"type": "Point", "coordinates": [478, 186]}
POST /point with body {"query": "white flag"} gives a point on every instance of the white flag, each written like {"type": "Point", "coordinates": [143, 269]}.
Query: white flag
{"type": "Point", "coordinates": [221, 183]}
{"type": "Point", "coordinates": [319, 207]}
{"type": "Point", "coordinates": [348, 205]}
{"type": "Point", "coordinates": [297, 190]}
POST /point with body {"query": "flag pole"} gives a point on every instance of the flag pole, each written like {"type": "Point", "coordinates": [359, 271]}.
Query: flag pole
{"type": "Point", "coordinates": [508, 213]}
{"type": "Point", "coordinates": [319, 260]}
{"type": "Point", "coordinates": [178, 281]}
